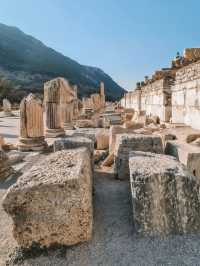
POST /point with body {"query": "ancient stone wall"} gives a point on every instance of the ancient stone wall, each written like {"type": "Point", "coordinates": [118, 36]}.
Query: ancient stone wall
{"type": "Point", "coordinates": [156, 99]}
{"type": "Point", "coordinates": [132, 100]}
{"type": "Point", "coordinates": [186, 96]}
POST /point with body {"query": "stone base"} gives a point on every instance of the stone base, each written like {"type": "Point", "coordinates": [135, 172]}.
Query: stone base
{"type": "Point", "coordinates": [54, 133]}
{"type": "Point", "coordinates": [68, 126]}
{"type": "Point", "coordinates": [32, 144]}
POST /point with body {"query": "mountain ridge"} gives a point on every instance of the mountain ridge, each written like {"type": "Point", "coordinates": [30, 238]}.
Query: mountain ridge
{"type": "Point", "coordinates": [28, 63]}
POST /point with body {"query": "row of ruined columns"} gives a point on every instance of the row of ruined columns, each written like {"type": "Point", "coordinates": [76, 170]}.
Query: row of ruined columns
{"type": "Point", "coordinates": [61, 107]}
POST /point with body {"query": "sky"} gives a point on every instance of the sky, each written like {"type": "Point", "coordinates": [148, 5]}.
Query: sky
{"type": "Point", "coordinates": [128, 39]}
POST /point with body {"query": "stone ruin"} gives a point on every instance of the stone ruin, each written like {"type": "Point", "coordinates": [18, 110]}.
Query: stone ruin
{"type": "Point", "coordinates": [31, 125]}
{"type": "Point", "coordinates": [7, 107]}
{"type": "Point", "coordinates": [53, 109]}
{"type": "Point", "coordinates": [165, 195]}
{"type": "Point", "coordinates": [67, 103]}
{"type": "Point", "coordinates": [94, 103]}
{"type": "Point", "coordinates": [52, 203]}
{"type": "Point", "coordinates": [172, 93]}
{"type": "Point", "coordinates": [125, 143]}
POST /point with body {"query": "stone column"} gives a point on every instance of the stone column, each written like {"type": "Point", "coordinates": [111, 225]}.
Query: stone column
{"type": "Point", "coordinates": [53, 110]}
{"type": "Point", "coordinates": [7, 108]}
{"type": "Point", "coordinates": [102, 95]}
{"type": "Point", "coordinates": [31, 125]}
{"type": "Point", "coordinates": [67, 97]}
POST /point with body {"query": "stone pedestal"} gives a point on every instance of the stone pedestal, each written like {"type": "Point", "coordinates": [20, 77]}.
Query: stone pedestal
{"type": "Point", "coordinates": [31, 125]}
{"type": "Point", "coordinates": [32, 144]}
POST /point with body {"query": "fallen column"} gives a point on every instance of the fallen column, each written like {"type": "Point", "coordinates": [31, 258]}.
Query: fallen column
{"type": "Point", "coordinates": [165, 195]}
{"type": "Point", "coordinates": [51, 204]}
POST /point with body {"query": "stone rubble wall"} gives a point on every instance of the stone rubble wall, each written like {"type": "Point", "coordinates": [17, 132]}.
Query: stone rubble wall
{"type": "Point", "coordinates": [155, 99]}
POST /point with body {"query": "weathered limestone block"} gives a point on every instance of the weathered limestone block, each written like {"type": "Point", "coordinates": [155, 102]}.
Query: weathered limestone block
{"type": "Point", "coordinates": [51, 204]}
{"type": "Point", "coordinates": [125, 143]}
{"type": "Point", "coordinates": [5, 169]}
{"type": "Point", "coordinates": [52, 96]}
{"type": "Point", "coordinates": [74, 142]}
{"type": "Point", "coordinates": [187, 154]}
{"type": "Point", "coordinates": [112, 119]}
{"type": "Point", "coordinates": [84, 123]}
{"type": "Point", "coordinates": [165, 195]}
{"type": "Point", "coordinates": [133, 125]}
{"type": "Point", "coordinates": [31, 125]}
{"type": "Point", "coordinates": [102, 139]}
{"type": "Point", "coordinates": [7, 108]}
{"type": "Point", "coordinates": [114, 131]}
{"type": "Point", "coordinates": [85, 132]}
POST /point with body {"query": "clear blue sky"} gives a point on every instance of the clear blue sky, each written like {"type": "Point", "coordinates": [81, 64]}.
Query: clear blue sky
{"type": "Point", "coordinates": [128, 39]}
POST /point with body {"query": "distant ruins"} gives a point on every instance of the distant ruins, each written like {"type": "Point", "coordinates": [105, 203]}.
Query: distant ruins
{"type": "Point", "coordinates": [171, 93]}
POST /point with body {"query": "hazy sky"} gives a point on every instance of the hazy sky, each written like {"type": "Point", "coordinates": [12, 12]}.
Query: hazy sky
{"type": "Point", "coordinates": [128, 39]}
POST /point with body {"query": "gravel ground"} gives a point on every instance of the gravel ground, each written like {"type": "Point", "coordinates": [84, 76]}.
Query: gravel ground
{"type": "Point", "coordinates": [114, 241]}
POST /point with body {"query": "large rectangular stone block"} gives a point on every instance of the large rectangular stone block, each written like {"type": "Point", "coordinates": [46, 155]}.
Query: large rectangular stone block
{"type": "Point", "coordinates": [51, 204]}
{"type": "Point", "coordinates": [187, 154]}
{"type": "Point", "coordinates": [74, 142]}
{"type": "Point", "coordinates": [165, 195]}
{"type": "Point", "coordinates": [125, 143]}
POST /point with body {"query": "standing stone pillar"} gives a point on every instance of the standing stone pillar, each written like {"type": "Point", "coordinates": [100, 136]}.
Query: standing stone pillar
{"type": "Point", "coordinates": [31, 125]}
{"type": "Point", "coordinates": [76, 105]}
{"type": "Point", "coordinates": [53, 109]}
{"type": "Point", "coordinates": [102, 95]}
{"type": "Point", "coordinates": [7, 108]}
{"type": "Point", "coordinates": [67, 97]}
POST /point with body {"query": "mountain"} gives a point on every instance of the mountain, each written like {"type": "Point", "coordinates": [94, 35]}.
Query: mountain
{"type": "Point", "coordinates": [28, 63]}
